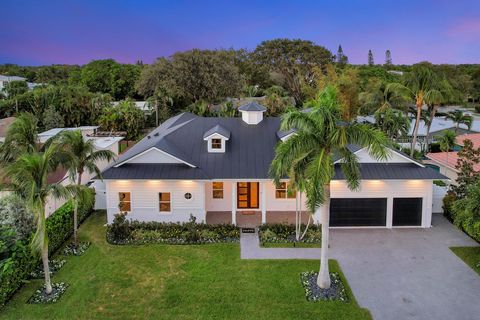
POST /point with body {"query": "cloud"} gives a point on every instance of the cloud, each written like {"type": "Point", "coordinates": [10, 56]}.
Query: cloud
{"type": "Point", "coordinates": [467, 29]}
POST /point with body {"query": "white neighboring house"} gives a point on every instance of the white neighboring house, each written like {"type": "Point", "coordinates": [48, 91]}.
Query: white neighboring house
{"type": "Point", "coordinates": [216, 169]}
{"type": "Point", "coordinates": [60, 176]}
{"type": "Point", "coordinates": [4, 80]}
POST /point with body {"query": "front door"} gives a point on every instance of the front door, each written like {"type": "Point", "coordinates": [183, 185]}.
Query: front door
{"type": "Point", "coordinates": [247, 195]}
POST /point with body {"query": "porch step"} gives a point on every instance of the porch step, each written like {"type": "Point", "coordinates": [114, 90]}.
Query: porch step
{"type": "Point", "coordinates": [248, 230]}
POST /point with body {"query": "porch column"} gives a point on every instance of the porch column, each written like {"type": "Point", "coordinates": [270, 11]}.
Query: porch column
{"type": "Point", "coordinates": [263, 201]}
{"type": "Point", "coordinates": [389, 212]}
{"type": "Point", "coordinates": [234, 202]}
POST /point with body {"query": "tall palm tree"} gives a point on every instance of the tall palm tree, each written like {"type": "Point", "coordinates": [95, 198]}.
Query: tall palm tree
{"type": "Point", "coordinates": [393, 123]}
{"type": "Point", "coordinates": [320, 134]}
{"type": "Point", "coordinates": [81, 156]}
{"type": "Point", "coordinates": [435, 100]}
{"type": "Point", "coordinates": [380, 96]}
{"type": "Point", "coordinates": [21, 137]}
{"type": "Point", "coordinates": [459, 118]}
{"type": "Point", "coordinates": [447, 142]}
{"type": "Point", "coordinates": [28, 177]}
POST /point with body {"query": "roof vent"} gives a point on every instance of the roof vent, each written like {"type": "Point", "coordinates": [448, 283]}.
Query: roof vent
{"type": "Point", "coordinates": [252, 113]}
{"type": "Point", "coordinates": [156, 134]}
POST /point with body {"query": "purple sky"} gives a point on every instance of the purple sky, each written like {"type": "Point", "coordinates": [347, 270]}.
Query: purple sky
{"type": "Point", "coordinates": [35, 32]}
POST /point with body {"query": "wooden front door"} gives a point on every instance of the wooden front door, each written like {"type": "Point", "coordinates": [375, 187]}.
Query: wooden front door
{"type": "Point", "coordinates": [247, 195]}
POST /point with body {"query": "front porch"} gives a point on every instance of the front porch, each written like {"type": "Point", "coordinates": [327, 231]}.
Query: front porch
{"type": "Point", "coordinates": [251, 219]}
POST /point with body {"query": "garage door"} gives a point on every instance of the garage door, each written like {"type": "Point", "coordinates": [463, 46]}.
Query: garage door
{"type": "Point", "coordinates": [407, 212]}
{"type": "Point", "coordinates": [354, 212]}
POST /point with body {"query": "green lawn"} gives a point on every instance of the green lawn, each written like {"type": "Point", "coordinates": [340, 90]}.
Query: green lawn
{"type": "Point", "coordinates": [177, 282]}
{"type": "Point", "coordinates": [470, 255]}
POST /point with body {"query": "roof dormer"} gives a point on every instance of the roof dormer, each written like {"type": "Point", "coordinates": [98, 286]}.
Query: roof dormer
{"type": "Point", "coordinates": [217, 138]}
{"type": "Point", "coordinates": [252, 113]}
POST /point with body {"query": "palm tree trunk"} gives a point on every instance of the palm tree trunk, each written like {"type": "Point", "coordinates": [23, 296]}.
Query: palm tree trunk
{"type": "Point", "coordinates": [415, 131]}
{"type": "Point", "coordinates": [432, 117]}
{"type": "Point", "coordinates": [297, 219]}
{"type": "Point", "coordinates": [75, 213]}
{"type": "Point", "coordinates": [323, 279]}
{"type": "Point", "coordinates": [46, 269]}
{"type": "Point", "coordinates": [306, 228]}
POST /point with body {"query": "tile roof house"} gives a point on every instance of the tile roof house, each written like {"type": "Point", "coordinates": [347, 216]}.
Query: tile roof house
{"type": "Point", "coordinates": [216, 169]}
{"type": "Point", "coordinates": [446, 161]}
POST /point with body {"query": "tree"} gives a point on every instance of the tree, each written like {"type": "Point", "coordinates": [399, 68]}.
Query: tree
{"type": "Point", "coordinates": [467, 210]}
{"type": "Point", "coordinates": [341, 58]}
{"type": "Point", "coordinates": [459, 118]}
{"type": "Point", "coordinates": [28, 175]}
{"type": "Point", "coordinates": [380, 96]}
{"type": "Point", "coordinates": [294, 60]}
{"type": "Point", "coordinates": [320, 134]}
{"type": "Point", "coordinates": [394, 123]}
{"type": "Point", "coordinates": [468, 158]}
{"type": "Point", "coordinates": [447, 141]}
{"type": "Point", "coordinates": [81, 155]}
{"type": "Point", "coordinates": [370, 58]}
{"type": "Point", "coordinates": [21, 138]}
{"type": "Point", "coordinates": [15, 215]}
{"type": "Point", "coordinates": [434, 101]}
{"type": "Point", "coordinates": [52, 119]}
{"type": "Point", "coordinates": [124, 116]}
{"type": "Point", "coordinates": [388, 58]}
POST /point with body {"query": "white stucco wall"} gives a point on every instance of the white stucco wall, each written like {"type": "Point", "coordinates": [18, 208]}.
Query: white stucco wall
{"type": "Point", "coordinates": [145, 204]}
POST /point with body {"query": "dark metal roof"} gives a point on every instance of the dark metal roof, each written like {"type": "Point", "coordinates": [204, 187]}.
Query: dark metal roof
{"type": "Point", "coordinates": [248, 154]}
{"type": "Point", "coordinates": [281, 134]}
{"type": "Point", "coordinates": [252, 106]}
{"type": "Point", "coordinates": [393, 171]}
{"type": "Point", "coordinates": [219, 130]}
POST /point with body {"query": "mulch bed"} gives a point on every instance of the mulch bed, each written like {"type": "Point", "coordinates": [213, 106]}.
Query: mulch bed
{"type": "Point", "coordinates": [41, 297]}
{"type": "Point", "coordinates": [72, 250]}
{"type": "Point", "coordinates": [313, 292]}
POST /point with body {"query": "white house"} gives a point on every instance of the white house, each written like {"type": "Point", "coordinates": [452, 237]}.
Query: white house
{"type": "Point", "coordinates": [216, 169]}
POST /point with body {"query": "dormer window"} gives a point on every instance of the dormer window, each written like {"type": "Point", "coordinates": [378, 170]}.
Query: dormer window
{"type": "Point", "coordinates": [216, 143]}
{"type": "Point", "coordinates": [216, 138]}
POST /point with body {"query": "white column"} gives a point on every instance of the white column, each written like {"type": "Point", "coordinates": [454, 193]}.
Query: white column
{"type": "Point", "coordinates": [202, 196]}
{"type": "Point", "coordinates": [427, 205]}
{"type": "Point", "coordinates": [234, 202]}
{"type": "Point", "coordinates": [389, 223]}
{"type": "Point", "coordinates": [263, 201]}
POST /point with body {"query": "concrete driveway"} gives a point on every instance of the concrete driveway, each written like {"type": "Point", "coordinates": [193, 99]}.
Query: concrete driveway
{"type": "Point", "coordinates": [409, 273]}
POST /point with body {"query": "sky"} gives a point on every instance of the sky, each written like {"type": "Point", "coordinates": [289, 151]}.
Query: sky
{"type": "Point", "coordinates": [44, 32]}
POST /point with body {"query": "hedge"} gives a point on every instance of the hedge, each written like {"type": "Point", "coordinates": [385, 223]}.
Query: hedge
{"type": "Point", "coordinates": [285, 233]}
{"type": "Point", "coordinates": [59, 228]}
{"type": "Point", "coordinates": [123, 231]}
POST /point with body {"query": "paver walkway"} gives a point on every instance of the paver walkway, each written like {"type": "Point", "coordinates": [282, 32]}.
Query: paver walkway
{"type": "Point", "coordinates": [399, 273]}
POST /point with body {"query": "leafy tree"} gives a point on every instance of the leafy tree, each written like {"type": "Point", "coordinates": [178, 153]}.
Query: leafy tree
{"type": "Point", "coordinates": [124, 116]}
{"type": "Point", "coordinates": [294, 60]}
{"type": "Point", "coordinates": [341, 58]}
{"type": "Point", "coordinates": [388, 58]}
{"type": "Point", "coordinates": [320, 134]}
{"type": "Point", "coordinates": [447, 141]}
{"type": "Point", "coordinates": [459, 118]}
{"type": "Point", "coordinates": [15, 88]}
{"type": "Point", "coordinates": [467, 210]}
{"type": "Point", "coordinates": [370, 58]}
{"type": "Point", "coordinates": [468, 157]}
{"type": "Point", "coordinates": [28, 175]}
{"type": "Point", "coordinates": [15, 215]}
{"type": "Point", "coordinates": [52, 119]}
{"type": "Point", "coordinates": [81, 156]}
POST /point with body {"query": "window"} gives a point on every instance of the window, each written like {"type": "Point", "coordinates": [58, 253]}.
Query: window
{"type": "Point", "coordinates": [125, 202]}
{"type": "Point", "coordinates": [164, 201]}
{"type": "Point", "coordinates": [281, 191]}
{"type": "Point", "coordinates": [217, 190]}
{"type": "Point", "coordinates": [216, 143]}
{"type": "Point", "coordinates": [188, 196]}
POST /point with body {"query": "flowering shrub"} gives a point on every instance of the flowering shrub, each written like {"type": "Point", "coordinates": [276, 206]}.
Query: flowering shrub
{"type": "Point", "coordinates": [285, 233]}
{"type": "Point", "coordinates": [71, 250]}
{"type": "Point", "coordinates": [41, 297]}
{"type": "Point", "coordinates": [54, 266]}
{"type": "Point", "coordinates": [123, 231]}
{"type": "Point", "coordinates": [313, 292]}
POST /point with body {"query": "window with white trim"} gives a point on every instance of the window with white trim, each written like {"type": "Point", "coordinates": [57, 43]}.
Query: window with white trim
{"type": "Point", "coordinates": [281, 191]}
{"type": "Point", "coordinates": [216, 143]}
{"type": "Point", "coordinates": [164, 202]}
{"type": "Point", "coordinates": [217, 190]}
{"type": "Point", "coordinates": [124, 201]}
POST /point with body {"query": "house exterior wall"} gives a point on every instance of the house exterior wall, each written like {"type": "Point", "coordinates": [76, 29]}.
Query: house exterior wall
{"type": "Point", "coordinates": [145, 202]}
{"type": "Point", "coordinates": [224, 204]}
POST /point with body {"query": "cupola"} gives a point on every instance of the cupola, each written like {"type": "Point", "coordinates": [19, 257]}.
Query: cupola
{"type": "Point", "coordinates": [252, 113]}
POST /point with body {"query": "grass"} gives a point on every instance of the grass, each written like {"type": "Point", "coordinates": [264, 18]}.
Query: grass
{"type": "Point", "coordinates": [290, 245]}
{"type": "Point", "coordinates": [177, 282]}
{"type": "Point", "coordinates": [469, 255]}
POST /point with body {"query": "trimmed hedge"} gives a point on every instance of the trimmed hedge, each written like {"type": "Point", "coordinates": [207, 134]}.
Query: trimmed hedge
{"type": "Point", "coordinates": [122, 231]}
{"type": "Point", "coordinates": [285, 233]}
{"type": "Point", "coordinates": [59, 228]}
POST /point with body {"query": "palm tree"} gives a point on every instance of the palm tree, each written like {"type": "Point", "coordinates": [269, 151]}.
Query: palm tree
{"type": "Point", "coordinates": [28, 176]}
{"type": "Point", "coordinates": [421, 84]}
{"type": "Point", "coordinates": [435, 100]}
{"type": "Point", "coordinates": [393, 123]}
{"type": "Point", "coordinates": [320, 134]}
{"type": "Point", "coordinates": [459, 118]}
{"type": "Point", "coordinates": [447, 141]}
{"type": "Point", "coordinates": [21, 137]}
{"type": "Point", "coordinates": [81, 155]}
{"type": "Point", "coordinates": [380, 96]}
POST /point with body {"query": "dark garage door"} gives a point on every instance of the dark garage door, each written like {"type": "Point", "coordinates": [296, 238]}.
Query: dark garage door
{"type": "Point", "coordinates": [407, 212]}
{"type": "Point", "coordinates": [353, 212]}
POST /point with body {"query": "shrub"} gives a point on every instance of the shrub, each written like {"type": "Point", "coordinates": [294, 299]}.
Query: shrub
{"type": "Point", "coordinates": [122, 231]}
{"type": "Point", "coordinates": [285, 233]}
{"type": "Point", "coordinates": [447, 207]}
{"type": "Point", "coordinates": [14, 215]}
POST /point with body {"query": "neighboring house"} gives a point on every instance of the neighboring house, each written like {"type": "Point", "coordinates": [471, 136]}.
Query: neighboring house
{"type": "Point", "coordinates": [4, 125]}
{"type": "Point", "coordinates": [142, 105]}
{"type": "Point", "coordinates": [216, 169]}
{"type": "Point", "coordinates": [101, 142]}
{"type": "Point", "coordinates": [446, 161]}
{"type": "Point", "coordinates": [6, 79]}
